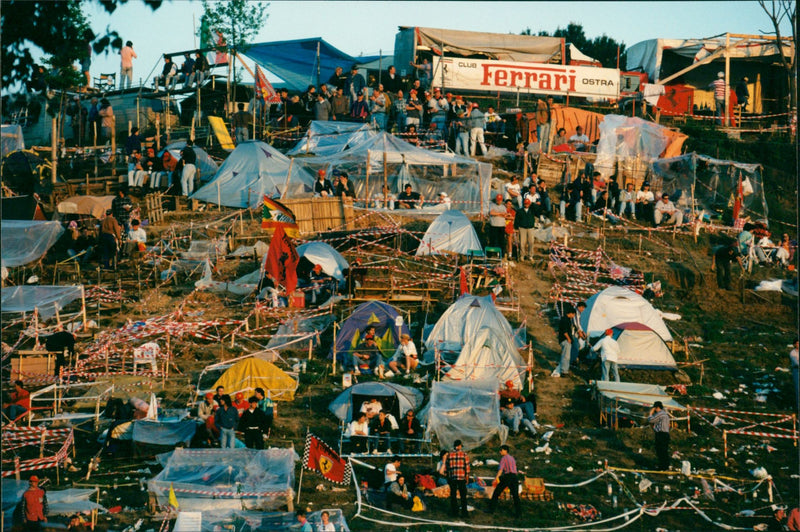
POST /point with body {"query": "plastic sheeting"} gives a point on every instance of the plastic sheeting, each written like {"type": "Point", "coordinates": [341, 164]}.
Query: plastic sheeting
{"type": "Point", "coordinates": [291, 329]}
{"type": "Point", "coordinates": [468, 411]}
{"type": "Point", "coordinates": [328, 137]}
{"type": "Point", "coordinates": [210, 479]}
{"type": "Point", "coordinates": [626, 138]}
{"type": "Point", "coordinates": [12, 139]}
{"type": "Point", "coordinates": [242, 286]}
{"type": "Point", "coordinates": [24, 241]}
{"type": "Point", "coordinates": [332, 262]}
{"type": "Point", "coordinates": [215, 520]}
{"type": "Point", "coordinates": [616, 305]}
{"type": "Point", "coordinates": [205, 249]}
{"type": "Point", "coordinates": [465, 180]}
{"type": "Point", "coordinates": [451, 231]}
{"type": "Point", "coordinates": [637, 394]}
{"type": "Point", "coordinates": [163, 432]}
{"type": "Point", "coordinates": [45, 298]}
{"type": "Point", "coordinates": [60, 502]}
{"type": "Point", "coordinates": [714, 181]}
{"type": "Point", "coordinates": [403, 397]}
{"type": "Point", "coordinates": [255, 169]}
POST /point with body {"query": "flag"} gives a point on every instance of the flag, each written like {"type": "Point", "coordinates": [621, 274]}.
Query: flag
{"type": "Point", "coordinates": [275, 213]}
{"type": "Point", "coordinates": [464, 288]}
{"type": "Point", "coordinates": [318, 456]}
{"type": "Point", "coordinates": [264, 89]}
{"type": "Point", "coordinates": [281, 260]}
{"type": "Point", "coordinates": [173, 500]}
{"type": "Point", "coordinates": [220, 58]}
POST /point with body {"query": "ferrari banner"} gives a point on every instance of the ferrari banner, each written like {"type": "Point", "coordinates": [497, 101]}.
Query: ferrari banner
{"type": "Point", "coordinates": [320, 457]}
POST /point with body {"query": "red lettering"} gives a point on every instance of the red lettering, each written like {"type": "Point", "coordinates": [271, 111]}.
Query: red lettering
{"type": "Point", "coordinates": [500, 78]}
{"type": "Point", "coordinates": [515, 75]}
{"type": "Point", "coordinates": [529, 76]}
{"type": "Point", "coordinates": [545, 82]}
{"type": "Point", "coordinates": [571, 83]}
{"type": "Point", "coordinates": [559, 78]}
{"type": "Point", "coordinates": [486, 74]}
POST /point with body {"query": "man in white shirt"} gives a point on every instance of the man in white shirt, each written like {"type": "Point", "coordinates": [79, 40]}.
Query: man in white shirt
{"type": "Point", "coordinates": [665, 208]}
{"type": "Point", "coordinates": [391, 470]}
{"type": "Point", "coordinates": [405, 357]}
{"type": "Point", "coordinates": [136, 236]}
{"type": "Point", "coordinates": [609, 355]}
{"type": "Point", "coordinates": [513, 191]}
{"type": "Point", "coordinates": [358, 430]}
{"type": "Point", "coordinates": [579, 140]}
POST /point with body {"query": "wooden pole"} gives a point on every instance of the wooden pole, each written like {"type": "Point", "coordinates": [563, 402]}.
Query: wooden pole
{"type": "Point", "coordinates": [54, 149]}
{"type": "Point", "coordinates": [333, 365]}
{"type": "Point", "coordinates": [366, 182]}
{"type": "Point", "coordinates": [385, 178]}
{"type": "Point", "coordinates": [288, 177]}
{"type": "Point", "coordinates": [725, 120]}
{"type": "Point", "coordinates": [83, 309]}
{"type": "Point", "coordinates": [158, 133]}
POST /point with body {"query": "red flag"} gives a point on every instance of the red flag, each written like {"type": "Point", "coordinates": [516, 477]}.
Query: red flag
{"type": "Point", "coordinates": [220, 58]}
{"type": "Point", "coordinates": [318, 456]}
{"type": "Point", "coordinates": [463, 282]}
{"type": "Point", "coordinates": [264, 89]}
{"type": "Point", "coordinates": [281, 260]}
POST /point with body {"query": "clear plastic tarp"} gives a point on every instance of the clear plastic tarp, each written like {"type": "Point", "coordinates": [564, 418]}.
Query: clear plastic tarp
{"type": "Point", "coordinates": [625, 139]}
{"type": "Point", "coordinates": [163, 432]}
{"type": "Point", "coordinates": [218, 479]}
{"type": "Point", "coordinates": [24, 241]}
{"type": "Point", "coordinates": [45, 298]}
{"type": "Point", "coordinates": [468, 411]}
{"type": "Point", "coordinates": [291, 330]}
{"type": "Point", "coordinates": [242, 286]}
{"type": "Point", "coordinates": [244, 521]}
{"type": "Point", "coordinates": [714, 182]}
{"type": "Point", "coordinates": [12, 139]}
{"type": "Point", "coordinates": [60, 502]}
{"type": "Point", "coordinates": [329, 137]}
{"type": "Point", "coordinates": [384, 159]}
{"type": "Point", "coordinates": [203, 249]}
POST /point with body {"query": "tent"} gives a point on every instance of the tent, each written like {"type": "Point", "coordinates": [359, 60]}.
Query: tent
{"type": "Point", "coordinates": [642, 348]}
{"type": "Point", "coordinates": [372, 313]}
{"type": "Point", "coordinates": [95, 206]}
{"type": "Point", "coordinates": [468, 411]}
{"type": "Point", "coordinates": [616, 305]}
{"type": "Point", "coordinates": [300, 62]}
{"type": "Point", "coordinates": [323, 254]}
{"type": "Point", "coordinates": [452, 232]}
{"type": "Point", "coordinates": [328, 137]}
{"type": "Point", "coordinates": [242, 286]}
{"type": "Point", "coordinates": [252, 170]}
{"type": "Point", "coordinates": [206, 166]}
{"type": "Point", "coordinates": [489, 354]}
{"type": "Point", "coordinates": [24, 241]}
{"type": "Point", "coordinates": [47, 299]}
{"type": "Point", "coordinates": [384, 159]}
{"type": "Point", "coordinates": [395, 398]}
{"type": "Point", "coordinates": [251, 373]}
{"type": "Point", "coordinates": [21, 208]}
{"type": "Point", "coordinates": [11, 139]}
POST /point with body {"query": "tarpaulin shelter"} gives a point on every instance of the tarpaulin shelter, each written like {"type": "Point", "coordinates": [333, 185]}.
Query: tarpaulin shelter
{"type": "Point", "coordinates": [94, 206]}
{"type": "Point", "coordinates": [697, 61]}
{"type": "Point", "coordinates": [242, 286]}
{"type": "Point", "coordinates": [47, 299]}
{"type": "Point", "coordinates": [618, 398]}
{"type": "Point", "coordinates": [395, 398]}
{"type": "Point", "coordinates": [216, 520]}
{"type": "Point", "coordinates": [163, 432]}
{"type": "Point", "coordinates": [25, 172]}
{"type": "Point", "coordinates": [11, 139]}
{"type": "Point", "coordinates": [251, 373]}
{"type": "Point", "coordinates": [384, 159]}
{"type": "Point", "coordinates": [59, 502]}
{"type": "Point", "coordinates": [24, 241]}
{"type": "Point", "coordinates": [255, 169]}
{"type": "Point", "coordinates": [323, 254]}
{"type": "Point", "coordinates": [206, 166]}
{"type": "Point", "coordinates": [296, 332]}
{"type": "Point", "coordinates": [377, 314]}
{"type": "Point", "coordinates": [625, 140]}
{"type": "Point", "coordinates": [326, 137]}
{"type": "Point", "coordinates": [715, 184]}
{"type": "Point", "coordinates": [21, 208]}
{"type": "Point", "coordinates": [300, 62]}
{"type": "Point", "coordinates": [216, 479]}
{"type": "Point", "coordinates": [571, 117]}
{"type": "Point", "coordinates": [468, 411]}
{"type": "Point", "coordinates": [451, 232]}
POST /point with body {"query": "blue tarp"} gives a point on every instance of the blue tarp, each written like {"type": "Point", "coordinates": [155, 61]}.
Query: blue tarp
{"type": "Point", "coordinates": [378, 314]}
{"type": "Point", "coordinates": [163, 433]}
{"type": "Point", "coordinates": [295, 61]}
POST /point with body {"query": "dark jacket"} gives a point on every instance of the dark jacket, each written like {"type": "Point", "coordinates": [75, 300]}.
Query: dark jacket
{"type": "Point", "coordinates": [226, 418]}
{"type": "Point", "coordinates": [255, 420]}
{"type": "Point", "coordinates": [525, 218]}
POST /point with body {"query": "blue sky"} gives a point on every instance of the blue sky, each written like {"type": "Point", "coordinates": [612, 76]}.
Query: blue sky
{"type": "Point", "coordinates": [368, 27]}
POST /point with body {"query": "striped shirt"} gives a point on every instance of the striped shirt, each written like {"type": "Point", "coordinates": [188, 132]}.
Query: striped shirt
{"type": "Point", "coordinates": [457, 465]}
{"type": "Point", "coordinates": [508, 465]}
{"type": "Point", "coordinates": [719, 88]}
{"type": "Point", "coordinates": [660, 421]}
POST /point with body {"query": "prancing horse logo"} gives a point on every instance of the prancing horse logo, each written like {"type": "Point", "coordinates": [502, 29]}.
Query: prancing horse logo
{"type": "Point", "coordinates": [325, 465]}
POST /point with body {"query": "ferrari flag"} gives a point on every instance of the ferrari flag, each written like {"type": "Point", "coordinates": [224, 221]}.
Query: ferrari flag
{"type": "Point", "coordinates": [320, 457]}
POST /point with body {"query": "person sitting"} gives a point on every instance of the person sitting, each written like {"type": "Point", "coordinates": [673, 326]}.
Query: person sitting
{"type": "Point", "coordinates": [137, 237]}
{"type": "Point", "coordinates": [322, 187]}
{"type": "Point", "coordinates": [409, 199]}
{"type": "Point", "coordinates": [397, 493]}
{"type": "Point", "coordinates": [527, 405]}
{"type": "Point", "coordinates": [783, 253]}
{"type": "Point", "coordinates": [560, 142]}
{"type": "Point", "coordinates": [444, 202]}
{"type": "Point", "coordinates": [644, 203]}
{"type": "Point", "coordinates": [746, 241]}
{"type": "Point", "coordinates": [136, 173]}
{"type": "Point", "coordinates": [627, 202]}
{"type": "Point", "coordinates": [579, 140]}
{"type": "Point", "coordinates": [199, 70]}
{"type": "Point", "coordinates": [405, 358]}
{"type": "Point", "coordinates": [513, 192]}
{"type": "Point", "coordinates": [321, 286]}
{"type": "Point", "coordinates": [345, 188]}
{"type": "Point", "coordinates": [358, 432]}
{"type": "Point", "coordinates": [367, 355]}
{"type": "Point", "coordinates": [168, 75]}
{"type": "Point", "coordinates": [20, 401]}
{"type": "Point", "coordinates": [512, 416]}
{"type": "Point", "coordinates": [381, 428]}
{"type": "Point", "coordinates": [371, 408]}
{"type": "Point", "coordinates": [185, 73]}
{"type": "Point", "coordinates": [410, 433]}
{"type": "Point", "coordinates": [601, 208]}
{"type": "Point", "coordinates": [665, 208]}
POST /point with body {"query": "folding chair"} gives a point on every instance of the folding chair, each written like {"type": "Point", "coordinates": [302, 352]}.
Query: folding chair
{"type": "Point", "coordinates": [106, 82]}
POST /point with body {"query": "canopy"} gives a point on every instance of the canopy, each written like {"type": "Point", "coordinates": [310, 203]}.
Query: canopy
{"type": "Point", "coordinates": [323, 254]}
{"type": "Point", "coordinates": [489, 354]}
{"type": "Point", "coordinates": [329, 137]}
{"type": "Point", "coordinates": [637, 394]}
{"type": "Point", "coordinates": [206, 166]}
{"type": "Point", "coordinates": [384, 158]}
{"type": "Point", "coordinates": [451, 231]}
{"type": "Point", "coordinates": [642, 348]}
{"type": "Point", "coordinates": [468, 411]}
{"type": "Point", "coordinates": [59, 502]}
{"type": "Point", "coordinates": [24, 241]}
{"type": "Point", "coordinates": [377, 314]}
{"type": "Point", "coordinates": [252, 373]}
{"type": "Point", "coordinates": [45, 298]}
{"type": "Point", "coordinates": [255, 169]}
{"type": "Point", "coordinates": [395, 398]}
{"type": "Point", "coordinates": [95, 206]}
{"type": "Point", "coordinates": [616, 305]}
{"type": "Point", "coordinates": [299, 61]}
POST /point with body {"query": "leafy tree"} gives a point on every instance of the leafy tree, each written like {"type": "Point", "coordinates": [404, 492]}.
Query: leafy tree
{"type": "Point", "coordinates": [778, 11]}
{"type": "Point", "coordinates": [602, 48]}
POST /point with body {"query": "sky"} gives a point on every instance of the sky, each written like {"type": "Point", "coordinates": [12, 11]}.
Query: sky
{"type": "Point", "coordinates": [367, 28]}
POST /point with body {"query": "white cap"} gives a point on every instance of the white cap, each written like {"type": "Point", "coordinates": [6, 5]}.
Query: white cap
{"type": "Point", "coordinates": [720, 74]}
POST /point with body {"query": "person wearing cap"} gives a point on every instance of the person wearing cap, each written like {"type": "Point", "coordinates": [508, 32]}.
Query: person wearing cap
{"type": "Point", "coordinates": [526, 404]}
{"type": "Point", "coordinates": [354, 84]}
{"type": "Point", "coordinates": [456, 466]}
{"type": "Point", "coordinates": [644, 203]}
{"type": "Point", "coordinates": [322, 187]}
{"type": "Point", "coordinates": [240, 403]}
{"type": "Point", "coordinates": [345, 187]}
{"type": "Point", "coordinates": [525, 223]}
{"type": "Point", "coordinates": [405, 357]}
{"type": "Point", "coordinates": [460, 125]}
{"type": "Point", "coordinates": [253, 423]}
{"type": "Point", "coordinates": [439, 112]}
{"type": "Point", "coordinates": [609, 351]}
{"type": "Point", "coordinates": [666, 209]}
{"type": "Point", "coordinates": [566, 337]}
{"type": "Point", "coordinates": [719, 87]}
{"type": "Point", "coordinates": [660, 420]}
{"type": "Point", "coordinates": [497, 222]}
{"type": "Point", "coordinates": [34, 505]}
{"type": "Point", "coordinates": [477, 125]}
{"type": "Point", "coordinates": [207, 407]}
{"type": "Point", "coordinates": [408, 199]}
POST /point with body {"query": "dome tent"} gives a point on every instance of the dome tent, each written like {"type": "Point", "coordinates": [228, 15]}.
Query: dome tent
{"type": "Point", "coordinates": [451, 231]}
{"type": "Point", "coordinates": [395, 398]}
{"type": "Point", "coordinates": [372, 313]}
{"type": "Point", "coordinates": [252, 373]}
{"type": "Point", "coordinates": [323, 254]}
{"type": "Point", "coordinates": [206, 166]}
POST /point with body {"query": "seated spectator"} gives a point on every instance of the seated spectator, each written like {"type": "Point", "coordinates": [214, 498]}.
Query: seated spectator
{"type": "Point", "coordinates": [397, 493]}
{"type": "Point", "coordinates": [384, 199]}
{"type": "Point", "coordinates": [411, 136]}
{"type": "Point", "coordinates": [785, 250]}
{"type": "Point", "coordinates": [444, 201]}
{"type": "Point", "coordinates": [627, 202]}
{"type": "Point", "coordinates": [546, 204]}
{"type": "Point", "coordinates": [410, 433]}
{"type": "Point", "coordinates": [345, 188]}
{"type": "Point", "coordinates": [382, 429]}
{"type": "Point", "coordinates": [512, 191]}
{"type": "Point", "coordinates": [137, 237]}
{"type": "Point", "coordinates": [20, 401]}
{"type": "Point", "coordinates": [405, 358]}
{"type": "Point", "coordinates": [601, 208]}
{"type": "Point", "coordinates": [368, 356]}
{"type": "Point", "coordinates": [666, 209]}
{"type": "Point", "coordinates": [185, 73]}
{"type": "Point", "coordinates": [746, 241]}
{"type": "Point", "coordinates": [527, 405]}
{"type": "Point", "coordinates": [322, 187]}
{"type": "Point", "coordinates": [168, 75]}
{"type": "Point", "coordinates": [136, 173]}
{"type": "Point", "coordinates": [560, 139]}
{"type": "Point", "coordinates": [200, 69]}
{"type": "Point", "coordinates": [409, 199]}
{"type": "Point", "coordinates": [644, 203]}
{"type": "Point", "coordinates": [371, 408]}
{"type": "Point", "coordinates": [579, 141]}
{"type": "Point", "coordinates": [512, 416]}
{"type": "Point", "coordinates": [434, 136]}
{"type": "Point", "coordinates": [494, 123]}
{"type": "Point", "coordinates": [358, 432]}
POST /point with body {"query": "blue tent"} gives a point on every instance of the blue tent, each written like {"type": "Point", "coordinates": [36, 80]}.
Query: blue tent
{"type": "Point", "coordinates": [295, 61]}
{"type": "Point", "coordinates": [372, 313]}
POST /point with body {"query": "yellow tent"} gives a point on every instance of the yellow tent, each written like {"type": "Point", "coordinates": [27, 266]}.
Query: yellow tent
{"type": "Point", "coordinates": [252, 373]}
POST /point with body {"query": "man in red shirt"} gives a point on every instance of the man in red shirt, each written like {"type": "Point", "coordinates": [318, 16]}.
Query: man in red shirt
{"type": "Point", "coordinates": [457, 469]}
{"type": "Point", "coordinates": [34, 505]}
{"type": "Point", "coordinates": [20, 401]}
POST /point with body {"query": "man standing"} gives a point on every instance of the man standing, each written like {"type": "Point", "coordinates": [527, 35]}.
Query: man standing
{"type": "Point", "coordinates": [411, 432]}
{"type": "Point", "coordinates": [268, 406]}
{"type": "Point", "coordinates": [189, 158]}
{"type": "Point", "coordinates": [127, 55]}
{"type": "Point", "coordinates": [719, 86]}
{"type": "Point", "coordinates": [322, 108]}
{"type": "Point", "coordinates": [338, 78]}
{"type": "Point", "coordinates": [477, 123]}
{"type": "Point", "coordinates": [457, 470]}
{"type": "Point", "coordinates": [794, 360]}
{"type": "Point", "coordinates": [506, 478]}
{"type": "Point", "coordinates": [254, 425]}
{"type": "Point", "coordinates": [543, 123]}
{"type": "Point", "coordinates": [609, 355]}
{"type": "Point", "coordinates": [239, 122]}
{"type": "Point", "coordinates": [660, 420]}
{"type": "Point", "coordinates": [392, 82]}
{"type": "Point", "coordinates": [497, 223]}
{"type": "Point", "coordinates": [340, 106]}
{"type": "Point", "coordinates": [34, 505]}
{"type": "Point", "coordinates": [354, 84]}
{"type": "Point", "coordinates": [378, 108]}
{"type": "Point", "coordinates": [723, 258]}
{"type": "Point", "coordinates": [525, 223]}
{"type": "Point", "coordinates": [566, 336]}
{"type": "Point", "coordinates": [110, 236]}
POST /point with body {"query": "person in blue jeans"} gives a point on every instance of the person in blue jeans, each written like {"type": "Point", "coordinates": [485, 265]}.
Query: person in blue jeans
{"type": "Point", "coordinates": [226, 419]}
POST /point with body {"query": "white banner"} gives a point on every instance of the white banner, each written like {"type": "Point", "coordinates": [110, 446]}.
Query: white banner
{"type": "Point", "coordinates": [536, 78]}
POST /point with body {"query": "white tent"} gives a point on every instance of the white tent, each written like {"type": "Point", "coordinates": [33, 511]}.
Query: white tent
{"type": "Point", "coordinates": [468, 411]}
{"type": "Point", "coordinates": [252, 170]}
{"type": "Point", "coordinates": [642, 348]}
{"type": "Point", "coordinates": [616, 305]}
{"type": "Point", "coordinates": [328, 137]}
{"type": "Point", "coordinates": [489, 354]}
{"type": "Point", "coordinates": [450, 231]}
{"type": "Point", "coordinates": [323, 254]}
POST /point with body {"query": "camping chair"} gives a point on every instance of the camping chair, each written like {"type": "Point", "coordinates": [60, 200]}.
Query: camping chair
{"type": "Point", "coordinates": [105, 82]}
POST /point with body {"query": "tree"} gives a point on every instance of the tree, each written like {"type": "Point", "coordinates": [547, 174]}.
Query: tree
{"type": "Point", "coordinates": [602, 48]}
{"type": "Point", "coordinates": [777, 11]}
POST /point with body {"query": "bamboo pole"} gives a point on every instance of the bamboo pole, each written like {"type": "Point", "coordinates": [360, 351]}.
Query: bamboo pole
{"type": "Point", "coordinates": [288, 177]}
{"type": "Point", "coordinates": [54, 150]}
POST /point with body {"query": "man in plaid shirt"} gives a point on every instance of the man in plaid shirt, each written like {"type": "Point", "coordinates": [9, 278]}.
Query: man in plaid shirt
{"type": "Point", "coordinates": [457, 467]}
